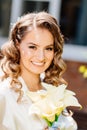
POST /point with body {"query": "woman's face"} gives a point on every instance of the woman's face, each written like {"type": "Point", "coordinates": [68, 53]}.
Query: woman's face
{"type": "Point", "coordinates": [36, 51]}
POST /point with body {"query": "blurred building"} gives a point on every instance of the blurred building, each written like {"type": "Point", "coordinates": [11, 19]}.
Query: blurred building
{"type": "Point", "coordinates": [71, 15]}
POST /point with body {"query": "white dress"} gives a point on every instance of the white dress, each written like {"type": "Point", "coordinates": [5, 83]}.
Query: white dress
{"type": "Point", "coordinates": [14, 116]}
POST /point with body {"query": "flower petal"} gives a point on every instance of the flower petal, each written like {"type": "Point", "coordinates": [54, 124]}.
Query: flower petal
{"type": "Point", "coordinates": [71, 101]}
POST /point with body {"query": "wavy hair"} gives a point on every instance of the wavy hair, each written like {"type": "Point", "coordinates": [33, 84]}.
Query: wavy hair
{"type": "Point", "coordinates": [10, 61]}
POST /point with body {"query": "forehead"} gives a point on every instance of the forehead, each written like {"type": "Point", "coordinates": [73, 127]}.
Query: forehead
{"type": "Point", "coordinates": [39, 36]}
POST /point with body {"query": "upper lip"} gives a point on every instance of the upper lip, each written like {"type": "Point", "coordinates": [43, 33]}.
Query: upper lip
{"type": "Point", "coordinates": [38, 63]}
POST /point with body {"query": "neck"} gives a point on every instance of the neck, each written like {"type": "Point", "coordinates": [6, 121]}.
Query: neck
{"type": "Point", "coordinates": [32, 81]}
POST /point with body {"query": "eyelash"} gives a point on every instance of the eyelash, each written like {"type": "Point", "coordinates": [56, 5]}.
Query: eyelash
{"type": "Point", "coordinates": [49, 48]}
{"type": "Point", "coordinates": [34, 47]}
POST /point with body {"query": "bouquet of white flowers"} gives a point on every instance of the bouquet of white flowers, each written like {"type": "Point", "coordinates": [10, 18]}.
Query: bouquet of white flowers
{"type": "Point", "coordinates": [50, 102]}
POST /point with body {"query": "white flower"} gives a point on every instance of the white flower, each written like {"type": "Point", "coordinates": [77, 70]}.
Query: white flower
{"type": "Point", "coordinates": [51, 102]}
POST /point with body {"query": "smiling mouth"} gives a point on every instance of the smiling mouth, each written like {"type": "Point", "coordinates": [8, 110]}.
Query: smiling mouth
{"type": "Point", "coordinates": [38, 63]}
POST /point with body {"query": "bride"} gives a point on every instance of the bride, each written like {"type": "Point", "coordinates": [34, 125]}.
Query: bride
{"type": "Point", "coordinates": [35, 46]}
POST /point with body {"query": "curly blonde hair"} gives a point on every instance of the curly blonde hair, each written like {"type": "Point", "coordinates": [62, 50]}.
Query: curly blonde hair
{"type": "Point", "coordinates": [10, 62]}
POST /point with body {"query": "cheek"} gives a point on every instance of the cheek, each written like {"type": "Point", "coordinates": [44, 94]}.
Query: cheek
{"type": "Point", "coordinates": [51, 56]}
{"type": "Point", "coordinates": [25, 53]}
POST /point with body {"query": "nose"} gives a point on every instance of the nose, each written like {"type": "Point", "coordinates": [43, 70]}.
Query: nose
{"type": "Point", "coordinates": [40, 55]}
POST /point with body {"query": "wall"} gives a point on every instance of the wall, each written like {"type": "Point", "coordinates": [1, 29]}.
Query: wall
{"type": "Point", "coordinates": [78, 84]}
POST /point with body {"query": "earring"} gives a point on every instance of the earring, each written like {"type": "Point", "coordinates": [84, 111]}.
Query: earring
{"type": "Point", "coordinates": [42, 76]}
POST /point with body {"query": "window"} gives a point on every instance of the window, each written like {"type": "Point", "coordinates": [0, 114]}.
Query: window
{"type": "Point", "coordinates": [73, 21]}
{"type": "Point", "coordinates": [29, 6]}
{"type": "Point", "coordinates": [5, 9]}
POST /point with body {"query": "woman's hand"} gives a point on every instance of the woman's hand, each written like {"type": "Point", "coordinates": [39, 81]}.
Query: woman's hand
{"type": "Point", "coordinates": [49, 129]}
{"type": "Point", "coordinates": [46, 128]}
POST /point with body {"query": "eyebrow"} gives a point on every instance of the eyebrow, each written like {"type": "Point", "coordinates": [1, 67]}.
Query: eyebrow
{"type": "Point", "coordinates": [38, 45]}
{"type": "Point", "coordinates": [33, 43]}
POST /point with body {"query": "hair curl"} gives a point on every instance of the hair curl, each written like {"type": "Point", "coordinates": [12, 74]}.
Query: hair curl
{"type": "Point", "coordinates": [10, 62]}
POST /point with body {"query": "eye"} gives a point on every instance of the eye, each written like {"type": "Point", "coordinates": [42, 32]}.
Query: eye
{"type": "Point", "coordinates": [32, 47]}
{"type": "Point", "coordinates": [50, 48]}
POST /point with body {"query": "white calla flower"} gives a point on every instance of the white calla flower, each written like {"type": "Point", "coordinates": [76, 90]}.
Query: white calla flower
{"type": "Point", "coordinates": [50, 102]}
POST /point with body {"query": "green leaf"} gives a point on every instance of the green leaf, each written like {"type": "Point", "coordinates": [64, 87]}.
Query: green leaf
{"type": "Point", "coordinates": [48, 122]}
{"type": "Point", "coordinates": [56, 117]}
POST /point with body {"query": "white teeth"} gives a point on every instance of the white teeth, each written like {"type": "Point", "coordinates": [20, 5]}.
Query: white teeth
{"type": "Point", "coordinates": [37, 63]}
